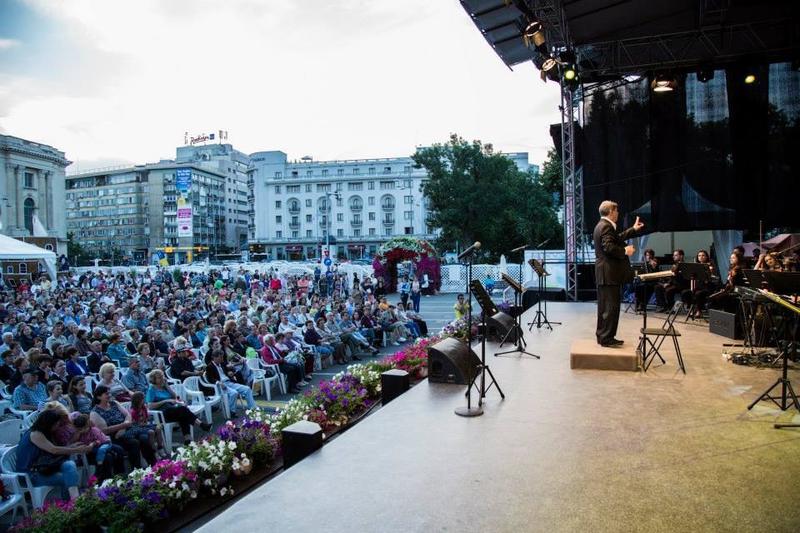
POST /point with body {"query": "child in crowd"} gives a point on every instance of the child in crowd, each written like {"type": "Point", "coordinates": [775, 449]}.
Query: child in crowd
{"type": "Point", "coordinates": [108, 457]}
{"type": "Point", "coordinates": [141, 419]}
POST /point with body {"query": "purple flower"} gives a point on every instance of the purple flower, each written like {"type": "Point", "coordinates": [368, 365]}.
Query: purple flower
{"type": "Point", "coordinates": [153, 497]}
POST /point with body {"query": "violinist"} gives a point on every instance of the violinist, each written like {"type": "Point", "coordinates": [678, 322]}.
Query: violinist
{"type": "Point", "coordinates": [699, 290]}
{"type": "Point", "coordinates": [645, 291]}
{"type": "Point", "coordinates": [665, 292]}
{"type": "Point", "coordinates": [724, 299]}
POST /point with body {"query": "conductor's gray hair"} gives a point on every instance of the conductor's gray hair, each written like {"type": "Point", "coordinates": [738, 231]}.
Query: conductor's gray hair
{"type": "Point", "coordinates": [606, 207]}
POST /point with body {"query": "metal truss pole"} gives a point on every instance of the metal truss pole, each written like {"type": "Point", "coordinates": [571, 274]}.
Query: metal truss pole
{"type": "Point", "coordinates": [573, 191]}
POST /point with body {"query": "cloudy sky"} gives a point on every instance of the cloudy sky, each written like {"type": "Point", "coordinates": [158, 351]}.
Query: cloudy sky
{"type": "Point", "coordinates": [119, 81]}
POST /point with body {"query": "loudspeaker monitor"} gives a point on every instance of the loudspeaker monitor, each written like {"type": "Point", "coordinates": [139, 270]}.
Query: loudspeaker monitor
{"type": "Point", "coordinates": [451, 361]}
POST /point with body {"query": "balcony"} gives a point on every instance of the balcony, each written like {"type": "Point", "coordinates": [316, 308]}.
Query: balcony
{"type": "Point", "coordinates": [387, 206]}
{"type": "Point", "coordinates": [388, 221]}
{"type": "Point", "coordinates": [294, 225]}
{"type": "Point", "coordinates": [357, 222]}
{"type": "Point", "coordinates": [294, 210]}
{"type": "Point", "coordinates": [357, 207]}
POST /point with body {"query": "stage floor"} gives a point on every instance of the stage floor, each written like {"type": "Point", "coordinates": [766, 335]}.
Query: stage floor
{"type": "Point", "coordinates": [567, 450]}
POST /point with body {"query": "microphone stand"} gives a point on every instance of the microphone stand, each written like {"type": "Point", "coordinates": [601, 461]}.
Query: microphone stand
{"type": "Point", "coordinates": [470, 410]}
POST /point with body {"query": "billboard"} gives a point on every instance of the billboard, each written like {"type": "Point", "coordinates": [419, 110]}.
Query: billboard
{"type": "Point", "coordinates": [183, 187]}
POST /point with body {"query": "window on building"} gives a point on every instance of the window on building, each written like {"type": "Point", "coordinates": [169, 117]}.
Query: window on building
{"type": "Point", "coordinates": [28, 180]}
{"type": "Point", "coordinates": [309, 173]}
{"type": "Point", "coordinates": [277, 189]}
{"type": "Point", "coordinates": [372, 231]}
{"type": "Point", "coordinates": [371, 216]}
{"type": "Point", "coordinates": [356, 170]}
{"type": "Point", "coordinates": [407, 215]}
{"type": "Point", "coordinates": [371, 185]}
{"type": "Point", "coordinates": [308, 187]}
{"type": "Point", "coordinates": [340, 232]}
{"type": "Point", "coordinates": [325, 172]}
{"type": "Point", "coordinates": [339, 217]}
{"type": "Point", "coordinates": [340, 172]}
{"type": "Point", "coordinates": [371, 200]}
{"type": "Point", "coordinates": [407, 169]}
{"type": "Point", "coordinates": [308, 233]}
{"type": "Point", "coordinates": [279, 234]}
{"type": "Point", "coordinates": [385, 185]}
{"type": "Point", "coordinates": [308, 203]}
{"type": "Point", "coordinates": [388, 230]}
{"type": "Point", "coordinates": [292, 188]}
{"type": "Point", "coordinates": [309, 217]}
{"type": "Point", "coordinates": [409, 230]}
{"type": "Point", "coordinates": [408, 200]}
{"type": "Point", "coordinates": [23, 268]}
{"type": "Point", "coordinates": [355, 186]}
{"type": "Point", "coordinates": [28, 207]}
{"type": "Point", "coordinates": [371, 170]}
{"type": "Point", "coordinates": [278, 219]}
{"type": "Point", "coordinates": [356, 232]}
{"type": "Point", "coordinates": [278, 174]}
{"type": "Point", "coordinates": [387, 170]}
{"type": "Point", "coordinates": [277, 204]}
{"type": "Point", "coordinates": [323, 187]}
{"type": "Point", "coordinates": [294, 173]}
{"type": "Point", "coordinates": [295, 234]}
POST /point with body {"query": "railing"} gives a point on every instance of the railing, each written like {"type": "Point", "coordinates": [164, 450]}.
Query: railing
{"type": "Point", "coordinates": [357, 222]}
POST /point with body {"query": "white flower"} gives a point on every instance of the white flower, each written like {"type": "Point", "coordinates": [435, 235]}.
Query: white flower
{"type": "Point", "coordinates": [193, 495]}
{"type": "Point", "coordinates": [223, 492]}
{"type": "Point", "coordinates": [184, 486]}
{"type": "Point", "coordinates": [207, 483]}
{"type": "Point", "coordinates": [231, 445]}
{"type": "Point", "coordinates": [172, 485]}
{"type": "Point", "coordinates": [245, 462]}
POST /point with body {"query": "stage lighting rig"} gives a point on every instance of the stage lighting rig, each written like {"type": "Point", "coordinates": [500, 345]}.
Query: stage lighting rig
{"type": "Point", "coordinates": [662, 83]}
{"type": "Point", "coordinates": [705, 74]}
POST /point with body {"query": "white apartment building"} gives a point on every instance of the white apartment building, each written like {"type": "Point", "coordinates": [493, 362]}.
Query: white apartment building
{"type": "Point", "coordinates": [32, 183]}
{"type": "Point", "coordinates": [354, 205]}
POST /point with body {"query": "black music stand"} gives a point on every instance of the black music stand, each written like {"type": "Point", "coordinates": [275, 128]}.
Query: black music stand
{"type": "Point", "coordinates": [540, 318]}
{"type": "Point", "coordinates": [784, 283]}
{"type": "Point", "coordinates": [519, 348]}
{"type": "Point", "coordinates": [470, 410]}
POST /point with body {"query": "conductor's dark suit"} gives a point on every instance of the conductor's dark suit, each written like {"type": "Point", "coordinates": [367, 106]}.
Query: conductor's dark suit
{"type": "Point", "coordinates": [612, 269]}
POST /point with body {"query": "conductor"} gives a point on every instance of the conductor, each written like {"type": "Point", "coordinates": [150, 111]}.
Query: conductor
{"type": "Point", "coordinates": [612, 269]}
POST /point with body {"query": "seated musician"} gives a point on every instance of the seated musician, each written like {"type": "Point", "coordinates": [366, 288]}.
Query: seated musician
{"type": "Point", "coordinates": [769, 262]}
{"type": "Point", "coordinates": [665, 292]}
{"type": "Point", "coordinates": [699, 291]}
{"type": "Point", "coordinates": [724, 298]}
{"type": "Point", "coordinates": [645, 290]}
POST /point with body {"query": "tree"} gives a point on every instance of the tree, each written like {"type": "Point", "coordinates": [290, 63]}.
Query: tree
{"type": "Point", "coordinates": [476, 194]}
{"type": "Point", "coordinates": [552, 178]}
{"type": "Point", "coordinates": [77, 254]}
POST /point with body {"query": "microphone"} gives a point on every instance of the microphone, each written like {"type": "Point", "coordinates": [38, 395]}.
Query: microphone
{"type": "Point", "coordinates": [469, 250]}
{"type": "Point", "coordinates": [518, 248]}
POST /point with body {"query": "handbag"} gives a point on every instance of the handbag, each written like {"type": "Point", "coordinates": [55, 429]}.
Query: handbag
{"type": "Point", "coordinates": [47, 463]}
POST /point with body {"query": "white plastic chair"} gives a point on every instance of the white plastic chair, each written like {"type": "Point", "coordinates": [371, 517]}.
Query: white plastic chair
{"type": "Point", "coordinates": [16, 499]}
{"type": "Point", "coordinates": [274, 371]}
{"type": "Point", "coordinates": [192, 384]}
{"type": "Point", "coordinates": [260, 376]}
{"type": "Point", "coordinates": [90, 381]}
{"type": "Point", "coordinates": [38, 494]}
{"type": "Point", "coordinates": [29, 419]}
{"type": "Point", "coordinates": [194, 401]}
{"type": "Point", "coordinates": [10, 431]}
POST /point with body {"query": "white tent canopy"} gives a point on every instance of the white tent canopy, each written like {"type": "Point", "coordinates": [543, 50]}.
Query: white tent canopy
{"type": "Point", "coordinates": [12, 249]}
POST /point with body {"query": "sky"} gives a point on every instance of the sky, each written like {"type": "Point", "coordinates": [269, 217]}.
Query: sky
{"type": "Point", "coordinates": [120, 81]}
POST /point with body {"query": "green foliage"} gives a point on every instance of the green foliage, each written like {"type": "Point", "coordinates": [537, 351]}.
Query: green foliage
{"type": "Point", "coordinates": [476, 194]}
{"type": "Point", "coordinates": [552, 177]}
{"type": "Point", "coordinates": [77, 254]}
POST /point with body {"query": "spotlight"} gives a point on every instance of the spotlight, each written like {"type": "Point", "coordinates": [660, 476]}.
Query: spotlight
{"type": "Point", "coordinates": [549, 63]}
{"type": "Point", "coordinates": [705, 74]}
{"type": "Point", "coordinates": [533, 28]}
{"type": "Point", "coordinates": [662, 84]}
{"type": "Point", "coordinates": [534, 33]}
{"type": "Point", "coordinates": [570, 73]}
{"type": "Point", "coordinates": [750, 78]}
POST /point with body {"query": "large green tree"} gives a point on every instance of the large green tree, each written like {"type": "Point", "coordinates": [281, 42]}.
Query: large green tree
{"type": "Point", "coordinates": [552, 176]}
{"type": "Point", "coordinates": [476, 194]}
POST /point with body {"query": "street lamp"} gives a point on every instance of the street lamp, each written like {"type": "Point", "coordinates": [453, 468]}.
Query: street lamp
{"type": "Point", "coordinates": [328, 195]}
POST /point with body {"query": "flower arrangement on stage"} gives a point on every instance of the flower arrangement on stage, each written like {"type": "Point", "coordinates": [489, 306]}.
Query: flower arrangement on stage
{"type": "Point", "coordinates": [460, 328]}
{"type": "Point", "coordinates": [252, 438]}
{"type": "Point", "coordinates": [404, 248]}
{"type": "Point", "coordinates": [414, 358]}
{"type": "Point", "coordinates": [213, 460]}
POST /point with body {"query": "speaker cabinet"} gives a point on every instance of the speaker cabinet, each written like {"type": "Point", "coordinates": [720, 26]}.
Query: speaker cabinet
{"type": "Point", "coordinates": [725, 324]}
{"type": "Point", "coordinates": [451, 361]}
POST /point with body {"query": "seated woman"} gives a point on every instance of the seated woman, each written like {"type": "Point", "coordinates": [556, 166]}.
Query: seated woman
{"type": "Point", "coordinates": [724, 299]}
{"type": "Point", "coordinates": [769, 262]}
{"type": "Point", "coordinates": [160, 396]}
{"type": "Point", "coordinates": [108, 377]}
{"type": "Point", "coordinates": [115, 421]}
{"type": "Point", "coordinates": [116, 348]}
{"type": "Point", "coordinates": [699, 290]}
{"type": "Point", "coordinates": [46, 462]}
{"type": "Point", "coordinates": [55, 393]}
{"type": "Point", "coordinates": [81, 402]}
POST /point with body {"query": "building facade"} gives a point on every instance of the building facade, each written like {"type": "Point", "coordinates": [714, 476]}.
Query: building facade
{"type": "Point", "coordinates": [352, 205]}
{"type": "Point", "coordinates": [133, 210]}
{"type": "Point", "coordinates": [31, 187]}
{"type": "Point", "coordinates": [224, 159]}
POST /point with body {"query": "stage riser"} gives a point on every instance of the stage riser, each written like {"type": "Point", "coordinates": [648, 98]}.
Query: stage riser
{"type": "Point", "coordinates": [586, 354]}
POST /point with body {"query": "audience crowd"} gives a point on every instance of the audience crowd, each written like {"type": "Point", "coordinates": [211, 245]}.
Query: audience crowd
{"type": "Point", "coordinates": [87, 360]}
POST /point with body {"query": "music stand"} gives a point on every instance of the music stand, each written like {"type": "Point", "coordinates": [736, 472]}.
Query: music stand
{"type": "Point", "coordinates": [540, 318]}
{"type": "Point", "coordinates": [783, 283]}
{"type": "Point", "coordinates": [517, 319]}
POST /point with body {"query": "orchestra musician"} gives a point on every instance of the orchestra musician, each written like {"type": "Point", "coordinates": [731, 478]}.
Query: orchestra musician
{"type": "Point", "coordinates": [699, 290]}
{"type": "Point", "coordinates": [645, 290]}
{"type": "Point", "coordinates": [665, 292]}
{"type": "Point", "coordinates": [724, 298]}
{"type": "Point", "coordinates": [769, 262]}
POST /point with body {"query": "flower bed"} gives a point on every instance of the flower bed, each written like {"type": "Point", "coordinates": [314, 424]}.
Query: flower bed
{"type": "Point", "coordinates": [209, 472]}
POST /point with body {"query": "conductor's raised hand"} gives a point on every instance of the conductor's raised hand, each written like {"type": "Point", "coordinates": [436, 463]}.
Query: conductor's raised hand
{"type": "Point", "coordinates": [638, 224]}
{"type": "Point", "coordinates": [629, 250]}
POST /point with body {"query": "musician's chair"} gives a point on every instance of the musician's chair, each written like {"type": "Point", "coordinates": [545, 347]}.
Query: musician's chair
{"type": "Point", "coordinates": [653, 338]}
